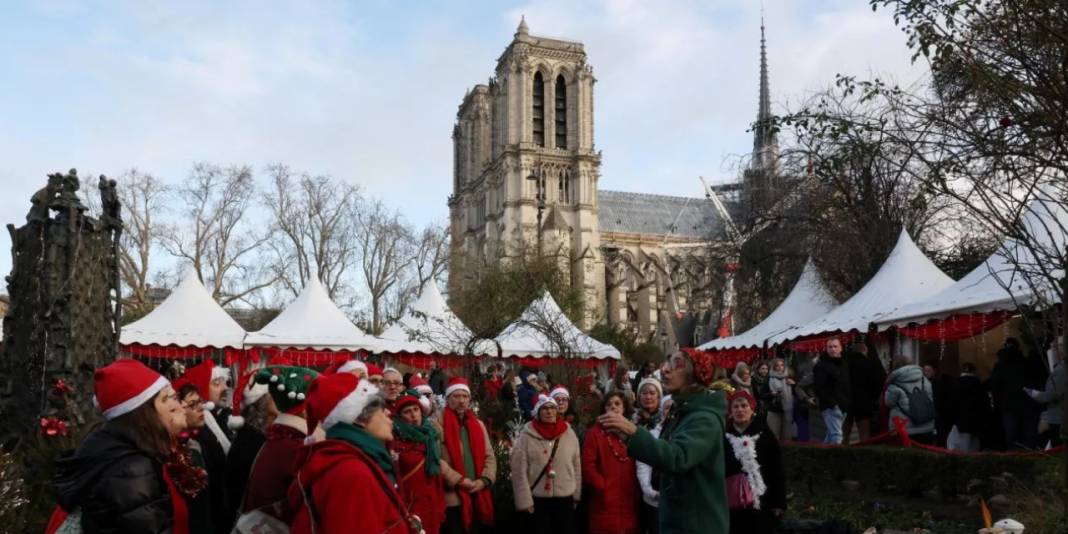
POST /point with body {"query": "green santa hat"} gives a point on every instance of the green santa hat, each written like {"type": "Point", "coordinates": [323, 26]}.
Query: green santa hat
{"type": "Point", "coordinates": [287, 385]}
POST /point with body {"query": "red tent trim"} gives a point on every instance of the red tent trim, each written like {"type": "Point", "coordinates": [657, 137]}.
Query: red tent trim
{"type": "Point", "coordinates": [956, 327]}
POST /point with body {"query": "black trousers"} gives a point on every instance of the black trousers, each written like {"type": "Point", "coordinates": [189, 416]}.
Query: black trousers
{"type": "Point", "coordinates": [650, 519]}
{"type": "Point", "coordinates": [551, 516]}
{"type": "Point", "coordinates": [454, 523]}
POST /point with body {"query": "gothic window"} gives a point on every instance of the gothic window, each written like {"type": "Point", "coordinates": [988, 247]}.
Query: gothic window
{"type": "Point", "coordinates": [539, 110]}
{"type": "Point", "coordinates": [564, 189]}
{"type": "Point", "coordinates": [561, 112]}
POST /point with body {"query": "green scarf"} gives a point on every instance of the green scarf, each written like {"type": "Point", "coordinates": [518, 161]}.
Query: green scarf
{"type": "Point", "coordinates": [425, 434]}
{"type": "Point", "coordinates": [366, 443]}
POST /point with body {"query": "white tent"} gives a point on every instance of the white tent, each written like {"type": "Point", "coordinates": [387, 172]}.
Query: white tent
{"type": "Point", "coordinates": [807, 301]}
{"type": "Point", "coordinates": [1006, 280]}
{"type": "Point", "coordinates": [543, 330]}
{"type": "Point", "coordinates": [906, 276]}
{"type": "Point", "coordinates": [188, 317]}
{"type": "Point", "coordinates": [428, 326]}
{"type": "Point", "coordinates": [312, 321]}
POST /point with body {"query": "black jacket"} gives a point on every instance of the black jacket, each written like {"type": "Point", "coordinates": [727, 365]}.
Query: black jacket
{"type": "Point", "coordinates": [972, 405]}
{"type": "Point", "coordinates": [222, 518]}
{"type": "Point", "coordinates": [866, 379]}
{"type": "Point", "coordinates": [1012, 373]}
{"type": "Point", "coordinates": [119, 488]}
{"type": "Point", "coordinates": [769, 456]}
{"type": "Point", "coordinates": [243, 451]}
{"type": "Point", "coordinates": [831, 386]}
{"type": "Point", "coordinates": [437, 381]}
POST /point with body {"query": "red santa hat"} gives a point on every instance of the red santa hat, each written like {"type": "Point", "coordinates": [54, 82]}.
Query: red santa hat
{"type": "Point", "coordinates": [420, 385]}
{"type": "Point", "coordinates": [337, 398]}
{"type": "Point", "coordinates": [123, 385]}
{"type": "Point", "coordinates": [544, 400]}
{"type": "Point", "coordinates": [560, 391]}
{"type": "Point", "coordinates": [351, 366]}
{"type": "Point", "coordinates": [373, 370]}
{"type": "Point", "coordinates": [741, 394]}
{"type": "Point", "coordinates": [200, 376]}
{"type": "Point", "coordinates": [248, 391]}
{"type": "Point", "coordinates": [457, 383]}
{"type": "Point", "coordinates": [408, 399]}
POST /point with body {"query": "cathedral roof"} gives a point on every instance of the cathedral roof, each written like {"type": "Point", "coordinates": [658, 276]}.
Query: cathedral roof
{"type": "Point", "coordinates": [643, 213]}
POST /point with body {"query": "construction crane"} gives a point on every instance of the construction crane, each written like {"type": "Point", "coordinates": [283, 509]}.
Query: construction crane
{"type": "Point", "coordinates": [736, 240]}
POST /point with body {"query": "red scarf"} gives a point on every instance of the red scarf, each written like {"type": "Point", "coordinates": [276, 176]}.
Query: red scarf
{"type": "Point", "coordinates": [477, 442]}
{"type": "Point", "coordinates": [549, 431]}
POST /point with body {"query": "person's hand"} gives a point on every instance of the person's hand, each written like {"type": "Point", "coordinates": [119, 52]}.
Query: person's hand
{"type": "Point", "coordinates": [477, 486]}
{"type": "Point", "coordinates": [466, 485]}
{"type": "Point", "coordinates": [811, 402]}
{"type": "Point", "coordinates": [529, 510]}
{"type": "Point", "coordinates": [617, 423]}
{"type": "Point", "coordinates": [791, 381]}
{"type": "Point", "coordinates": [1033, 393]}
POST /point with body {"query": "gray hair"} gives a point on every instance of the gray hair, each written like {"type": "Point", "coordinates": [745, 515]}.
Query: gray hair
{"type": "Point", "coordinates": [255, 413]}
{"type": "Point", "coordinates": [901, 360]}
{"type": "Point", "coordinates": [376, 403]}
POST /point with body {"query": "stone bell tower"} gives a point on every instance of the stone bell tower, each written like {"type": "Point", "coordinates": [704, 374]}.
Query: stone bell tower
{"type": "Point", "coordinates": [525, 166]}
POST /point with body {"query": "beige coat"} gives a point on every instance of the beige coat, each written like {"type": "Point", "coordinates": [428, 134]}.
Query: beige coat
{"type": "Point", "coordinates": [453, 475]}
{"type": "Point", "coordinates": [529, 456]}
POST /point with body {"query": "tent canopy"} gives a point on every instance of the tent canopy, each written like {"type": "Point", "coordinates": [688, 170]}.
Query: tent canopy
{"type": "Point", "coordinates": [188, 317]}
{"type": "Point", "coordinates": [429, 327]}
{"type": "Point", "coordinates": [807, 301]}
{"type": "Point", "coordinates": [906, 276]}
{"type": "Point", "coordinates": [312, 321]}
{"type": "Point", "coordinates": [544, 331]}
{"type": "Point", "coordinates": [1008, 279]}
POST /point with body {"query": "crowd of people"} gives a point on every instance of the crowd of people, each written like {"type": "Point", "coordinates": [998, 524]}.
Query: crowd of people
{"type": "Point", "coordinates": [683, 447]}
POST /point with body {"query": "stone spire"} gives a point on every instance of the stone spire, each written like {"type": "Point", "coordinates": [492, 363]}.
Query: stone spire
{"type": "Point", "coordinates": [522, 29]}
{"type": "Point", "coordinates": [765, 144]}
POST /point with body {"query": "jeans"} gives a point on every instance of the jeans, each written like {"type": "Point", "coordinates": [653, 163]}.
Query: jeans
{"type": "Point", "coordinates": [801, 419]}
{"type": "Point", "coordinates": [833, 417]}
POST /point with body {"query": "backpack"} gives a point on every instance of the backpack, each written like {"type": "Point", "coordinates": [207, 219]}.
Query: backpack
{"type": "Point", "coordinates": [921, 408]}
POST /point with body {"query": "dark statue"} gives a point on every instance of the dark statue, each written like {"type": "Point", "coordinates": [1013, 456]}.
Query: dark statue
{"type": "Point", "coordinates": [63, 316]}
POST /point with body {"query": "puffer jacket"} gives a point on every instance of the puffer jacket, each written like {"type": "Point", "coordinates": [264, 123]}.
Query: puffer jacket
{"type": "Point", "coordinates": [529, 456]}
{"type": "Point", "coordinates": [901, 382]}
{"type": "Point", "coordinates": [119, 488]}
{"type": "Point", "coordinates": [1052, 396]}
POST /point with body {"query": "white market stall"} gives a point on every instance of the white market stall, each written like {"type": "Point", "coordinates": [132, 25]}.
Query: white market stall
{"type": "Point", "coordinates": [429, 330]}
{"type": "Point", "coordinates": [808, 300]}
{"type": "Point", "coordinates": [906, 276]}
{"type": "Point", "coordinates": [188, 324]}
{"type": "Point", "coordinates": [311, 330]}
{"type": "Point", "coordinates": [543, 334]}
{"type": "Point", "coordinates": [995, 290]}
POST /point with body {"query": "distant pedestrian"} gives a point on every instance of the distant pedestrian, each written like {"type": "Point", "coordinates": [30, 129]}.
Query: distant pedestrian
{"type": "Point", "coordinates": [972, 408]}
{"type": "Point", "coordinates": [1052, 399]}
{"type": "Point", "coordinates": [832, 388]}
{"type": "Point", "coordinates": [806, 395]}
{"type": "Point", "coordinates": [780, 401]}
{"type": "Point", "coordinates": [1019, 413]}
{"type": "Point", "coordinates": [647, 414]}
{"type": "Point", "coordinates": [943, 387]}
{"type": "Point", "coordinates": [743, 378]}
{"type": "Point", "coordinates": [910, 396]}
{"type": "Point", "coordinates": [867, 376]}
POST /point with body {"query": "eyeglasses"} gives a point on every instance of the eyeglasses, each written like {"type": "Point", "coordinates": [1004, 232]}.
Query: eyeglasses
{"type": "Point", "coordinates": [194, 405]}
{"type": "Point", "coordinates": [393, 383]}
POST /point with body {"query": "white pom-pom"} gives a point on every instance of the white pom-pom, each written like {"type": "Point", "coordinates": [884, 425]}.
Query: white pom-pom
{"type": "Point", "coordinates": [281, 387]}
{"type": "Point", "coordinates": [274, 378]}
{"type": "Point", "coordinates": [300, 396]}
{"type": "Point", "coordinates": [235, 422]}
{"type": "Point", "coordinates": [209, 406]}
{"type": "Point", "coordinates": [292, 375]}
{"type": "Point", "coordinates": [292, 395]}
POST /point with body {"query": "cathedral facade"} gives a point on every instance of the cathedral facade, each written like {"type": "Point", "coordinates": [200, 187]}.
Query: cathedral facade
{"type": "Point", "coordinates": [526, 170]}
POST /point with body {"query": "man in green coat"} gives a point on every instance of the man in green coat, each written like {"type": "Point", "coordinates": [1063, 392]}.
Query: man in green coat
{"type": "Point", "coordinates": [687, 459]}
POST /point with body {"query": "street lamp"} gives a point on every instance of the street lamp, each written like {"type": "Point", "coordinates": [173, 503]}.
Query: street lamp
{"type": "Point", "coordinates": [539, 195]}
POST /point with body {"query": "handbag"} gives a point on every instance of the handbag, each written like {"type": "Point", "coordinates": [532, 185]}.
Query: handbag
{"type": "Point", "coordinates": [739, 492]}
{"type": "Point", "coordinates": [259, 522]}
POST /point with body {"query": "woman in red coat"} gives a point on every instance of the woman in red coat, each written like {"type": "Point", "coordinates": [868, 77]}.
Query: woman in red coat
{"type": "Point", "coordinates": [610, 475]}
{"type": "Point", "coordinates": [416, 446]}
{"type": "Point", "coordinates": [346, 483]}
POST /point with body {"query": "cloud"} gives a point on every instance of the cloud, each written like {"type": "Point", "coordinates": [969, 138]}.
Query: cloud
{"type": "Point", "coordinates": [368, 93]}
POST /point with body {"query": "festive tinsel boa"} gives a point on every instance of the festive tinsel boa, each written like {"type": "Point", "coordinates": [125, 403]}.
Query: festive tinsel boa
{"type": "Point", "coordinates": [745, 451]}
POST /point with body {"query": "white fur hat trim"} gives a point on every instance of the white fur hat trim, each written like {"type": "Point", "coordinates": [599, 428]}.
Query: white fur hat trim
{"type": "Point", "coordinates": [350, 407]}
{"type": "Point", "coordinates": [351, 366]}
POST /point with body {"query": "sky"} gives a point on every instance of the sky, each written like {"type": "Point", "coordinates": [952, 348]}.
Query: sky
{"type": "Point", "coordinates": [368, 91]}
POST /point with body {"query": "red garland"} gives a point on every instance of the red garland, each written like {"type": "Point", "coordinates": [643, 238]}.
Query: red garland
{"type": "Point", "coordinates": [189, 479]}
{"type": "Point", "coordinates": [61, 388]}
{"type": "Point", "coordinates": [53, 426]}
{"type": "Point", "coordinates": [622, 457]}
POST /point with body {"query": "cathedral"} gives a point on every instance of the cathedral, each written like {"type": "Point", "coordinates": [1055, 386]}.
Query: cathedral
{"type": "Point", "coordinates": [526, 171]}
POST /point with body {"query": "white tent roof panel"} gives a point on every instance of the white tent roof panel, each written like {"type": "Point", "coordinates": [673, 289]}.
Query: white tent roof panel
{"type": "Point", "coordinates": [188, 317]}
{"type": "Point", "coordinates": [312, 321]}
{"type": "Point", "coordinates": [544, 331]}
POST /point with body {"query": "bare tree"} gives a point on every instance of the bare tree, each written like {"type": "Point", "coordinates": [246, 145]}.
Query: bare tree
{"type": "Point", "coordinates": [313, 229]}
{"type": "Point", "coordinates": [142, 197]}
{"type": "Point", "coordinates": [432, 253]}
{"type": "Point", "coordinates": [214, 233]}
{"type": "Point", "coordinates": [387, 251]}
